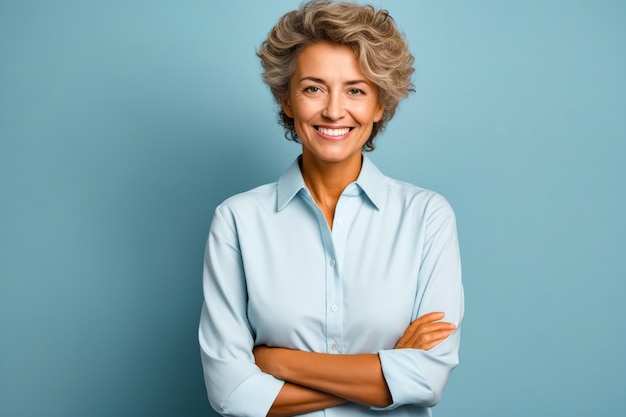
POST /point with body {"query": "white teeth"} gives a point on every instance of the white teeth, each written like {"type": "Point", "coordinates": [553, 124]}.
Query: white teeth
{"type": "Point", "coordinates": [333, 132]}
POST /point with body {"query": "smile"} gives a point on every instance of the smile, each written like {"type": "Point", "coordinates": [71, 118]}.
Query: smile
{"type": "Point", "coordinates": [333, 132]}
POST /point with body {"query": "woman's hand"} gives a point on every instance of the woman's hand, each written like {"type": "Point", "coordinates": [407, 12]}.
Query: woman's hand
{"type": "Point", "coordinates": [425, 332]}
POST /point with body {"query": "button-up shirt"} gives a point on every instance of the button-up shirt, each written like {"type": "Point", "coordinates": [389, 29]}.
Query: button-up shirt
{"type": "Point", "coordinates": [276, 274]}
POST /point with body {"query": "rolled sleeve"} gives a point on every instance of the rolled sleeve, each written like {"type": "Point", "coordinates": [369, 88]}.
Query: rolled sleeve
{"type": "Point", "coordinates": [255, 393]}
{"type": "Point", "coordinates": [235, 385]}
{"type": "Point", "coordinates": [416, 376]}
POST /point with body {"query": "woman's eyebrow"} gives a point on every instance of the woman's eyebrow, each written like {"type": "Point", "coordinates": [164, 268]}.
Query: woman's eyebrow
{"type": "Point", "coordinates": [320, 81]}
{"type": "Point", "coordinates": [314, 79]}
{"type": "Point", "coordinates": [353, 82]}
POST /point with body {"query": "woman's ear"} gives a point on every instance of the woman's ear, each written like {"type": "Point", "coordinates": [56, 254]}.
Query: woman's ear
{"type": "Point", "coordinates": [380, 110]}
{"type": "Point", "coordinates": [286, 105]}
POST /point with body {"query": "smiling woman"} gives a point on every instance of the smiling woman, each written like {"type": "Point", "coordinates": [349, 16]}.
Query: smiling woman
{"type": "Point", "coordinates": [325, 291]}
{"type": "Point", "coordinates": [332, 105]}
{"type": "Point", "coordinates": [381, 51]}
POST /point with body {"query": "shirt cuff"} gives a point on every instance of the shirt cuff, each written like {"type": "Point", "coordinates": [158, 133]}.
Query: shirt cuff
{"type": "Point", "coordinates": [404, 378]}
{"type": "Point", "coordinates": [253, 397]}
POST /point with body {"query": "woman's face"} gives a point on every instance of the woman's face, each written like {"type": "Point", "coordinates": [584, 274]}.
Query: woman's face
{"type": "Point", "coordinates": [332, 103]}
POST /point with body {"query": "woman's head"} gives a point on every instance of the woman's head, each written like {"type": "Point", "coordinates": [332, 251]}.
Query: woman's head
{"type": "Point", "coordinates": [381, 50]}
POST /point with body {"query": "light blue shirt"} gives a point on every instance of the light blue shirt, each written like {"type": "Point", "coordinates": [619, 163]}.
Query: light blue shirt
{"type": "Point", "coordinates": [275, 274]}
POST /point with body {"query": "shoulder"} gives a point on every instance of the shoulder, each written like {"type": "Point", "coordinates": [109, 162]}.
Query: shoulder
{"type": "Point", "coordinates": [261, 198]}
{"type": "Point", "coordinates": [415, 197]}
{"type": "Point", "coordinates": [424, 208]}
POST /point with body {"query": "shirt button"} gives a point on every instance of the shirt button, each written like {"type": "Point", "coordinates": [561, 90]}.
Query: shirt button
{"type": "Point", "coordinates": [334, 347]}
{"type": "Point", "coordinates": [332, 263]}
{"type": "Point", "coordinates": [333, 308]}
{"type": "Point", "coordinates": [339, 222]}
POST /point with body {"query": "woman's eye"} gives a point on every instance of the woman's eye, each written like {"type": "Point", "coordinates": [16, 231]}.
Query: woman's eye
{"type": "Point", "coordinates": [355, 91]}
{"type": "Point", "coordinates": [312, 89]}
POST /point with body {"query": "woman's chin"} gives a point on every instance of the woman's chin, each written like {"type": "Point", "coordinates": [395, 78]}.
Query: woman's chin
{"type": "Point", "coordinates": [333, 151]}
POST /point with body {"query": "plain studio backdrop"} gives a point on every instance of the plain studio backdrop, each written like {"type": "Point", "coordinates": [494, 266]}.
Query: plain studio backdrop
{"type": "Point", "coordinates": [124, 123]}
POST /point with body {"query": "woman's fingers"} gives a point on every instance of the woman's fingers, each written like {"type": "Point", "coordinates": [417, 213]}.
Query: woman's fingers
{"type": "Point", "coordinates": [430, 337]}
{"type": "Point", "coordinates": [435, 341]}
{"type": "Point", "coordinates": [429, 317]}
{"type": "Point", "coordinates": [426, 332]}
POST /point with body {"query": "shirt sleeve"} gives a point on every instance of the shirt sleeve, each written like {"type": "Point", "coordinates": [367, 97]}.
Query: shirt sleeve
{"type": "Point", "coordinates": [418, 376]}
{"type": "Point", "coordinates": [235, 385]}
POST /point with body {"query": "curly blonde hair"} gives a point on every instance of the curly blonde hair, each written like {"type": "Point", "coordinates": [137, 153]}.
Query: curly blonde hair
{"type": "Point", "coordinates": [381, 49]}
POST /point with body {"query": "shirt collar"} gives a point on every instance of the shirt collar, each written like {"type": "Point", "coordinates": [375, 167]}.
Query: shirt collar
{"type": "Point", "coordinates": [370, 180]}
{"type": "Point", "coordinates": [289, 184]}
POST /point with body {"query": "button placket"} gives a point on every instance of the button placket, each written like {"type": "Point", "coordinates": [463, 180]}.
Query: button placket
{"type": "Point", "coordinates": [334, 295]}
{"type": "Point", "coordinates": [334, 320]}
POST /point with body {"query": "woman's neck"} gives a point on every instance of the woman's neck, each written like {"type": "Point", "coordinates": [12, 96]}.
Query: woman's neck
{"type": "Point", "coordinates": [327, 180]}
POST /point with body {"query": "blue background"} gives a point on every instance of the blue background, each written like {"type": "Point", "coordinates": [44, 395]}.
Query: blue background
{"type": "Point", "coordinates": [124, 123]}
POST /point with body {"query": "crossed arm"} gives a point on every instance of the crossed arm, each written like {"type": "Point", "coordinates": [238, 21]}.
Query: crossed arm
{"type": "Point", "coordinates": [314, 381]}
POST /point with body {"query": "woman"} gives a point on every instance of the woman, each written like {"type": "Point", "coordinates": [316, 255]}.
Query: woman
{"type": "Point", "coordinates": [325, 291]}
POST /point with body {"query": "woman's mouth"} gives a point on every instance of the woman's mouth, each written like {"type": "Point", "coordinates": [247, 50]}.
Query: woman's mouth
{"type": "Point", "coordinates": [333, 132]}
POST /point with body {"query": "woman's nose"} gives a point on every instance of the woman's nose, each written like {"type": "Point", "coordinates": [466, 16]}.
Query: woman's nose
{"type": "Point", "coordinates": [334, 108]}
